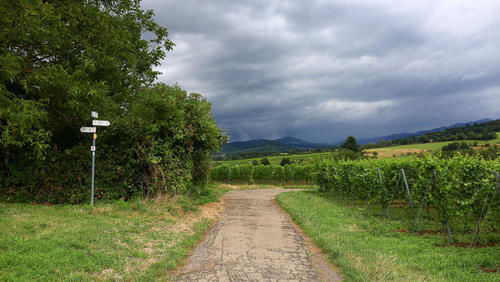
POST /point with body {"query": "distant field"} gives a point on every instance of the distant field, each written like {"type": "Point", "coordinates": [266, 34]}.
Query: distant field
{"type": "Point", "coordinates": [420, 148]}
{"type": "Point", "coordinates": [385, 152]}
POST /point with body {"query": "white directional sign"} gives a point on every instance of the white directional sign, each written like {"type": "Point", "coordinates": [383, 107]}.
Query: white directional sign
{"type": "Point", "coordinates": [96, 122]}
{"type": "Point", "coordinates": [87, 129]}
{"type": "Point", "coordinates": [95, 114]}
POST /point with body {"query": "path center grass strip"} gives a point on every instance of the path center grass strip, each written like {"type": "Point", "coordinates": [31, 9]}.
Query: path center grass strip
{"type": "Point", "coordinates": [367, 248]}
{"type": "Point", "coordinates": [135, 240]}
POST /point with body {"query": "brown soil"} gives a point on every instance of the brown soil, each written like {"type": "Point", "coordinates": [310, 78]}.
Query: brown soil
{"type": "Point", "coordinates": [490, 270]}
{"type": "Point", "coordinates": [389, 153]}
{"type": "Point", "coordinates": [433, 232]}
{"type": "Point", "coordinates": [209, 211]}
{"type": "Point", "coordinates": [467, 245]}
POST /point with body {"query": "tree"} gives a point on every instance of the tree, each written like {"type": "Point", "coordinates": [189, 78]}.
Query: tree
{"type": "Point", "coordinates": [61, 59]}
{"type": "Point", "coordinates": [265, 161]}
{"type": "Point", "coordinates": [350, 144]}
{"type": "Point", "coordinates": [285, 161]}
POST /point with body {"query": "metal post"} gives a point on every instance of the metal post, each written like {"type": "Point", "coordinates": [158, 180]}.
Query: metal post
{"type": "Point", "coordinates": [409, 197]}
{"type": "Point", "coordinates": [383, 193]}
{"type": "Point", "coordinates": [93, 173]}
{"type": "Point", "coordinates": [94, 136]}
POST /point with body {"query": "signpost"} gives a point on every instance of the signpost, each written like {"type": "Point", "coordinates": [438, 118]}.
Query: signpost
{"type": "Point", "coordinates": [95, 122]}
{"type": "Point", "coordinates": [87, 129]}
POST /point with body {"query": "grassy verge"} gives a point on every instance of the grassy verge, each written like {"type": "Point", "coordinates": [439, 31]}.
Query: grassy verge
{"type": "Point", "coordinates": [134, 240]}
{"type": "Point", "coordinates": [367, 247]}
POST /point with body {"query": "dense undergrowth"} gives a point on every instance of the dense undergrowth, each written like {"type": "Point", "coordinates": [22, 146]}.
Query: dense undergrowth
{"type": "Point", "coordinates": [60, 60]}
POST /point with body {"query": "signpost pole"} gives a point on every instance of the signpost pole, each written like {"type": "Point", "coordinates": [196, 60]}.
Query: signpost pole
{"type": "Point", "coordinates": [93, 130]}
{"type": "Point", "coordinates": [94, 116]}
{"type": "Point", "coordinates": [93, 170]}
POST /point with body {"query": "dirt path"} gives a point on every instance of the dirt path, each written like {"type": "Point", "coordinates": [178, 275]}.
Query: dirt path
{"type": "Point", "coordinates": [254, 241]}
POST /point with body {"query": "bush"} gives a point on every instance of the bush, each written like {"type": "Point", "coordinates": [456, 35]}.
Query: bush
{"type": "Point", "coordinates": [285, 161]}
{"type": "Point", "coordinates": [265, 161]}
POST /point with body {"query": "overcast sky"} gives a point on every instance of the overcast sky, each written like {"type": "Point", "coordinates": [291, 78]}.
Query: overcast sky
{"type": "Point", "coordinates": [323, 70]}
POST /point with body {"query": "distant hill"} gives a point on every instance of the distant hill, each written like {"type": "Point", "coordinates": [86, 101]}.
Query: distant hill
{"type": "Point", "coordinates": [419, 133]}
{"type": "Point", "coordinates": [284, 144]}
{"type": "Point", "coordinates": [288, 143]}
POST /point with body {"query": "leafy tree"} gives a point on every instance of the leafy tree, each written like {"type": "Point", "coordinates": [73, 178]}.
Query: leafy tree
{"type": "Point", "coordinates": [350, 143]}
{"type": "Point", "coordinates": [285, 161]}
{"type": "Point", "coordinates": [61, 59]}
{"type": "Point", "coordinates": [345, 154]}
{"type": "Point", "coordinates": [265, 161]}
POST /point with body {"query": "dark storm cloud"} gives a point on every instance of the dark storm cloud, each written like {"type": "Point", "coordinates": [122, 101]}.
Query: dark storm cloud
{"type": "Point", "coordinates": [323, 70]}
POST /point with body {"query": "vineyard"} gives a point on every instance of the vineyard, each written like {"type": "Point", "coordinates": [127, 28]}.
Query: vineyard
{"type": "Point", "coordinates": [265, 174]}
{"type": "Point", "coordinates": [460, 193]}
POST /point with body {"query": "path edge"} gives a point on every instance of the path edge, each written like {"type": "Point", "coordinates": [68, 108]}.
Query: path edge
{"type": "Point", "coordinates": [173, 275]}
{"type": "Point", "coordinates": [319, 260]}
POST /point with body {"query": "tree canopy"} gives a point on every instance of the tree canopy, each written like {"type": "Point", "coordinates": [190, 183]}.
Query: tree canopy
{"type": "Point", "coordinates": [59, 60]}
{"type": "Point", "coordinates": [350, 143]}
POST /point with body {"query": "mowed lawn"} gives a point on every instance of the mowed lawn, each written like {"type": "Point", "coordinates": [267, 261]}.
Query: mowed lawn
{"type": "Point", "coordinates": [135, 240]}
{"type": "Point", "coordinates": [367, 247]}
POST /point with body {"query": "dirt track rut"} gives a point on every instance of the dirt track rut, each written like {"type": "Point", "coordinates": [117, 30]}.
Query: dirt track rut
{"type": "Point", "coordinates": [252, 241]}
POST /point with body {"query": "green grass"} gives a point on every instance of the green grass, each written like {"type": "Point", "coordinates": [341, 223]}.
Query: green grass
{"type": "Point", "coordinates": [438, 145]}
{"type": "Point", "coordinates": [366, 247]}
{"type": "Point", "coordinates": [135, 240]}
{"type": "Point", "coordinates": [496, 141]}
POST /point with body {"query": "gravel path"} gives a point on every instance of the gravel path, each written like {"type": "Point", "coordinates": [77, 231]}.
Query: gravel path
{"type": "Point", "coordinates": [253, 241]}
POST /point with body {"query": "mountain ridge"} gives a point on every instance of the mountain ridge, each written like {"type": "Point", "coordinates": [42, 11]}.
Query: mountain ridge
{"type": "Point", "coordinates": [287, 143]}
{"type": "Point", "coordinates": [418, 133]}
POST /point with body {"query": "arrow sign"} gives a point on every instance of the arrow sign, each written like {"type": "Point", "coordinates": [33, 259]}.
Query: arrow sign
{"type": "Point", "coordinates": [87, 129]}
{"type": "Point", "coordinates": [96, 122]}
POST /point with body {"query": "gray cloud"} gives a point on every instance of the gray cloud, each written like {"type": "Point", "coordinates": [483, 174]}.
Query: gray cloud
{"type": "Point", "coordinates": [323, 70]}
